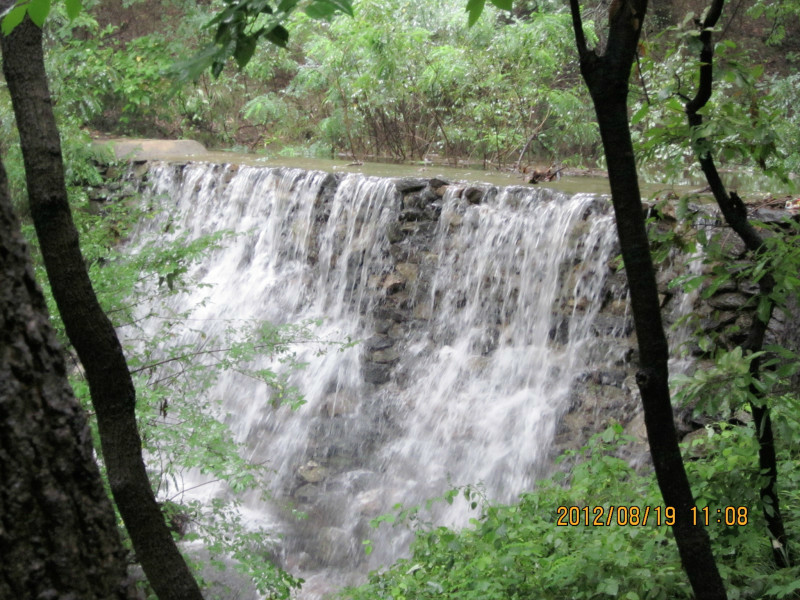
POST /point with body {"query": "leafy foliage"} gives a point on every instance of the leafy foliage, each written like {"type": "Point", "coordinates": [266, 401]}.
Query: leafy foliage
{"type": "Point", "coordinates": [519, 551]}
{"type": "Point", "coordinates": [749, 123]}
{"type": "Point", "coordinates": [37, 10]}
{"type": "Point", "coordinates": [242, 23]}
{"type": "Point", "coordinates": [424, 85]}
{"type": "Point", "coordinates": [409, 87]}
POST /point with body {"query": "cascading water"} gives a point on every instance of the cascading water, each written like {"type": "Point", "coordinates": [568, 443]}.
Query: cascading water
{"type": "Point", "coordinates": [475, 319]}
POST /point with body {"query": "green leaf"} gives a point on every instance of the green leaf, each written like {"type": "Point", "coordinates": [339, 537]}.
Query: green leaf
{"type": "Point", "coordinates": [343, 6]}
{"type": "Point", "coordinates": [244, 50]}
{"type": "Point", "coordinates": [278, 35]}
{"type": "Point", "coordinates": [13, 18]}
{"type": "Point", "coordinates": [502, 4]}
{"type": "Point", "coordinates": [73, 8]}
{"type": "Point", "coordinates": [322, 9]}
{"type": "Point", "coordinates": [287, 6]}
{"type": "Point", "coordinates": [38, 11]}
{"type": "Point", "coordinates": [191, 69]}
{"type": "Point", "coordinates": [640, 114]}
{"type": "Point", "coordinates": [216, 67]}
{"type": "Point", "coordinates": [319, 10]}
{"type": "Point", "coordinates": [764, 309]}
{"type": "Point", "coordinates": [474, 8]}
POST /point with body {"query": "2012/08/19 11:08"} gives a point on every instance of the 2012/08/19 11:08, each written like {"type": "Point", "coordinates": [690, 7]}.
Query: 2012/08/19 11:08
{"type": "Point", "coordinates": [599, 516]}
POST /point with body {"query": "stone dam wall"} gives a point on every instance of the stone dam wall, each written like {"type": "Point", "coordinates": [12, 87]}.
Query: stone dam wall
{"type": "Point", "coordinates": [405, 304]}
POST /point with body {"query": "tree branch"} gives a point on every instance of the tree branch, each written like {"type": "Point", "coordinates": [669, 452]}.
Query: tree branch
{"type": "Point", "coordinates": [735, 213]}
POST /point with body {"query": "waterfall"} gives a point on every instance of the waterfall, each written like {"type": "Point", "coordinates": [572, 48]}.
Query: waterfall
{"type": "Point", "coordinates": [478, 314]}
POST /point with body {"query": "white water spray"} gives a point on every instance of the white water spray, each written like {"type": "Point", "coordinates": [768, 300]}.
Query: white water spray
{"type": "Point", "coordinates": [465, 385]}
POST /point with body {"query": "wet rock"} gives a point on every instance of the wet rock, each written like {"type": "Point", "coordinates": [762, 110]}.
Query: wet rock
{"type": "Point", "coordinates": [413, 201]}
{"type": "Point", "coordinates": [718, 319]}
{"type": "Point", "coordinates": [298, 562]}
{"type": "Point", "coordinates": [393, 283]}
{"type": "Point", "coordinates": [400, 300]}
{"type": "Point", "coordinates": [474, 194]}
{"type": "Point", "coordinates": [749, 288]}
{"type": "Point", "coordinates": [618, 308]}
{"type": "Point", "coordinates": [382, 325]}
{"type": "Point", "coordinates": [728, 301]}
{"type": "Point", "coordinates": [327, 191]}
{"type": "Point", "coordinates": [370, 502]}
{"type": "Point", "coordinates": [388, 356]}
{"type": "Point", "coordinates": [412, 214]}
{"type": "Point", "coordinates": [433, 211]}
{"type": "Point", "coordinates": [308, 493]}
{"type": "Point", "coordinates": [395, 233]}
{"type": "Point", "coordinates": [609, 325]}
{"type": "Point", "coordinates": [612, 378]}
{"type": "Point", "coordinates": [378, 342]}
{"type": "Point", "coordinates": [727, 286]}
{"type": "Point", "coordinates": [376, 373]}
{"type": "Point", "coordinates": [312, 472]}
{"type": "Point", "coordinates": [427, 196]}
{"type": "Point", "coordinates": [389, 313]}
{"type": "Point", "coordinates": [339, 404]}
{"type": "Point", "coordinates": [409, 184]}
{"type": "Point", "coordinates": [771, 215]}
{"type": "Point", "coordinates": [139, 168]}
{"type": "Point", "coordinates": [694, 441]}
{"type": "Point", "coordinates": [612, 351]}
{"type": "Point", "coordinates": [397, 332]}
{"type": "Point", "coordinates": [559, 332]}
{"type": "Point", "coordinates": [408, 271]}
{"type": "Point", "coordinates": [664, 277]}
{"type": "Point", "coordinates": [401, 252]}
{"type": "Point", "coordinates": [422, 229]}
{"type": "Point", "coordinates": [419, 200]}
{"type": "Point", "coordinates": [632, 389]}
{"type": "Point", "coordinates": [636, 428]}
{"type": "Point", "coordinates": [423, 309]}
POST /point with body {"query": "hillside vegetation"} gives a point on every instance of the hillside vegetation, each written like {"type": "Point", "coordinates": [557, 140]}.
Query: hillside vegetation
{"type": "Point", "coordinates": [407, 80]}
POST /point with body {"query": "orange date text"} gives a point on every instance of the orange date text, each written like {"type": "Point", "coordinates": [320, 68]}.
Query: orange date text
{"type": "Point", "coordinates": [605, 516]}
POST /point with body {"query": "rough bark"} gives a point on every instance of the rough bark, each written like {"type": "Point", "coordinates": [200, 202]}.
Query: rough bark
{"type": "Point", "coordinates": [87, 327]}
{"type": "Point", "coordinates": [607, 77]}
{"type": "Point", "coordinates": [735, 214]}
{"type": "Point", "coordinates": [58, 533]}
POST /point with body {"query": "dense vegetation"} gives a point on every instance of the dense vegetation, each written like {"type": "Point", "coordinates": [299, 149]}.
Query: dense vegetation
{"type": "Point", "coordinates": [407, 80]}
{"type": "Point", "coordinates": [531, 550]}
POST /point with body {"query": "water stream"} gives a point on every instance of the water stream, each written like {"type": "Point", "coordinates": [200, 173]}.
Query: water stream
{"type": "Point", "coordinates": [476, 320]}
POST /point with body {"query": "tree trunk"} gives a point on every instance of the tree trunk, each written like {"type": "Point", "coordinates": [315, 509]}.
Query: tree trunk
{"type": "Point", "coordinates": [607, 76]}
{"type": "Point", "coordinates": [88, 328]}
{"type": "Point", "coordinates": [735, 213]}
{"type": "Point", "coordinates": [58, 533]}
